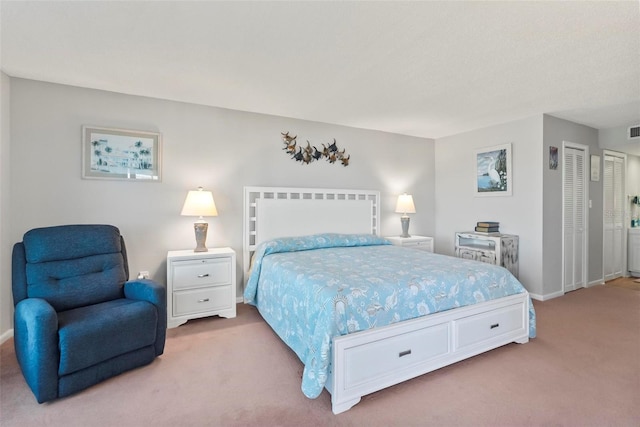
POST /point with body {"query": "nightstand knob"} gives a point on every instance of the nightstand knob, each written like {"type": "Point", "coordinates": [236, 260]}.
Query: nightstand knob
{"type": "Point", "coordinates": [200, 276]}
{"type": "Point", "coordinates": [203, 300]}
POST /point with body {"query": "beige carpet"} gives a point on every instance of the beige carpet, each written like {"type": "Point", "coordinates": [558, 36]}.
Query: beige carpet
{"type": "Point", "coordinates": [625, 282]}
{"type": "Point", "coordinates": [582, 370]}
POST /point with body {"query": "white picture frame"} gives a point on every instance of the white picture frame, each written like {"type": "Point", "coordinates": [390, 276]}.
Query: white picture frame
{"type": "Point", "coordinates": [493, 171]}
{"type": "Point", "coordinates": [121, 154]}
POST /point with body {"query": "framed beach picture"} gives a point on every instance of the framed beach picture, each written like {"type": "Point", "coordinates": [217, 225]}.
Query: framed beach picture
{"type": "Point", "coordinates": [493, 171]}
{"type": "Point", "coordinates": [121, 154]}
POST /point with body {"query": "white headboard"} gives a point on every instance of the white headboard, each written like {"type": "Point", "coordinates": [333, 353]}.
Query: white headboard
{"type": "Point", "coordinates": [271, 212]}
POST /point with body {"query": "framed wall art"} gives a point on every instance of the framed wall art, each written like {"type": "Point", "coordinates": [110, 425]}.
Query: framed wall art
{"type": "Point", "coordinates": [121, 154]}
{"type": "Point", "coordinates": [493, 171]}
{"type": "Point", "coordinates": [553, 158]}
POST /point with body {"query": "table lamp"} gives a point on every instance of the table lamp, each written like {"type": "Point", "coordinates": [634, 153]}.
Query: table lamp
{"type": "Point", "coordinates": [405, 206]}
{"type": "Point", "coordinates": [200, 203]}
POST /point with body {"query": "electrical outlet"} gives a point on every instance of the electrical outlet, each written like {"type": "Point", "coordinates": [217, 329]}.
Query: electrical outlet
{"type": "Point", "coordinates": [143, 275]}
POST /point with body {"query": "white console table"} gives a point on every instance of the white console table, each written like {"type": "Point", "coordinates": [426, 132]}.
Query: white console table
{"type": "Point", "coordinates": [498, 249]}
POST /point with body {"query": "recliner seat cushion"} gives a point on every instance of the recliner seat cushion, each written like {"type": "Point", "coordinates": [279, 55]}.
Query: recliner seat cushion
{"type": "Point", "coordinates": [92, 334]}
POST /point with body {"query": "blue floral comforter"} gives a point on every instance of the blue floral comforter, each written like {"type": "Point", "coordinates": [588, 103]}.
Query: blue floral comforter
{"type": "Point", "coordinates": [310, 289]}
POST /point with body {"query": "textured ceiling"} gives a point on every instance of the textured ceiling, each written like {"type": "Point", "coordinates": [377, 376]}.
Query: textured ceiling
{"type": "Point", "coordinates": [427, 69]}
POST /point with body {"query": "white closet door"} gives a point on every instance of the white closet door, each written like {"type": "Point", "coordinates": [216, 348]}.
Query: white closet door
{"type": "Point", "coordinates": [574, 212]}
{"type": "Point", "coordinates": [614, 205]}
{"type": "Point", "coordinates": [607, 177]}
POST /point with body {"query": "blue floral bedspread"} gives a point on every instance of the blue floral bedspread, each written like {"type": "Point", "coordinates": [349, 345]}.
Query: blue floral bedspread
{"type": "Point", "coordinates": [310, 289]}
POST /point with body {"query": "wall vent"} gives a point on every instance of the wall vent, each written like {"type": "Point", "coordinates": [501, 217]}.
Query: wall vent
{"type": "Point", "coordinates": [633, 132]}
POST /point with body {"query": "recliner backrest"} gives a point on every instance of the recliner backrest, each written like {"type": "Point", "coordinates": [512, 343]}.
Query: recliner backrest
{"type": "Point", "coordinates": [73, 265]}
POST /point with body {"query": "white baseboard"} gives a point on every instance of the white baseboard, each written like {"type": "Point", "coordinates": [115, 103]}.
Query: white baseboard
{"type": "Point", "coordinates": [596, 282]}
{"type": "Point", "coordinates": [557, 294]}
{"type": "Point", "coordinates": [546, 297]}
{"type": "Point", "coordinates": [536, 297]}
{"type": "Point", "coordinates": [4, 337]}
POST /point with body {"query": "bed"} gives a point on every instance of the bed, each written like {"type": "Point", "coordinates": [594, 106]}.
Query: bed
{"type": "Point", "coordinates": [360, 313]}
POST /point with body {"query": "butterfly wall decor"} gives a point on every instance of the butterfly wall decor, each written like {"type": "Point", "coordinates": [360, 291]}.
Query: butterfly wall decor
{"type": "Point", "coordinates": [310, 153]}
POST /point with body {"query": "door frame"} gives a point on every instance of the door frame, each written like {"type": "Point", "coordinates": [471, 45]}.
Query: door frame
{"type": "Point", "coordinates": [625, 225]}
{"type": "Point", "coordinates": [585, 264]}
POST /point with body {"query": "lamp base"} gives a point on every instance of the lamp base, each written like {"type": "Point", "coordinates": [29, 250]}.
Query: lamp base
{"type": "Point", "coordinates": [201, 236]}
{"type": "Point", "coordinates": [404, 220]}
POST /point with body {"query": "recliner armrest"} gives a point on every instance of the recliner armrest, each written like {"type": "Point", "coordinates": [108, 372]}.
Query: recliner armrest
{"type": "Point", "coordinates": [146, 290]}
{"type": "Point", "coordinates": [156, 294]}
{"type": "Point", "coordinates": [36, 344]}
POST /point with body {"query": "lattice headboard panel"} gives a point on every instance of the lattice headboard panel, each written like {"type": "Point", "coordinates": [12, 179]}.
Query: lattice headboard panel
{"type": "Point", "coordinates": [283, 212]}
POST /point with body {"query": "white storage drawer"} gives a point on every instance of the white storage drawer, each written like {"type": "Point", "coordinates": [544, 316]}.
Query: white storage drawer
{"type": "Point", "coordinates": [422, 243]}
{"type": "Point", "coordinates": [204, 272]}
{"type": "Point", "coordinates": [488, 257]}
{"type": "Point", "coordinates": [201, 300]}
{"type": "Point", "coordinates": [367, 362]}
{"type": "Point", "coordinates": [466, 253]}
{"type": "Point", "coordinates": [485, 326]}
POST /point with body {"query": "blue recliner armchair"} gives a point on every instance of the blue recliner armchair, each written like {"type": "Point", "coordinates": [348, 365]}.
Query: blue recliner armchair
{"type": "Point", "coordinates": [78, 321]}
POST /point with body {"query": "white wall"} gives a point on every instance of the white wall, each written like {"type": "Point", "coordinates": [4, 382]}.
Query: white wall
{"type": "Point", "coordinates": [555, 132]}
{"type": "Point", "coordinates": [6, 302]}
{"type": "Point", "coordinates": [221, 150]}
{"type": "Point", "coordinates": [458, 209]}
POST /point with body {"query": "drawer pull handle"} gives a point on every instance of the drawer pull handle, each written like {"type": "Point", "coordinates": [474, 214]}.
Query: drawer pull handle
{"type": "Point", "coordinates": [203, 300]}
{"type": "Point", "coordinates": [200, 276]}
{"type": "Point", "coordinates": [404, 353]}
{"type": "Point", "coordinates": [495, 325]}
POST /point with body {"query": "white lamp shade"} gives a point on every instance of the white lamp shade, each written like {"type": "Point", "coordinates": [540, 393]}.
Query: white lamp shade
{"type": "Point", "coordinates": [199, 203]}
{"type": "Point", "coordinates": [405, 204]}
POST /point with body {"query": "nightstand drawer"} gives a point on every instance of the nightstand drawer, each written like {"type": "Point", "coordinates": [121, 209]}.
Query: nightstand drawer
{"type": "Point", "coordinates": [203, 272]}
{"type": "Point", "coordinates": [201, 300]}
{"type": "Point", "coordinates": [423, 245]}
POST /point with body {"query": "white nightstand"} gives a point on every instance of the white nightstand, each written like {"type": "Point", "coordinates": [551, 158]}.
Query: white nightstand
{"type": "Point", "coordinates": [200, 284]}
{"type": "Point", "coordinates": [415, 242]}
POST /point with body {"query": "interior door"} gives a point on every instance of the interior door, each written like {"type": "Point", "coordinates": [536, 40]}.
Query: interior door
{"type": "Point", "coordinates": [614, 210]}
{"type": "Point", "coordinates": [574, 218]}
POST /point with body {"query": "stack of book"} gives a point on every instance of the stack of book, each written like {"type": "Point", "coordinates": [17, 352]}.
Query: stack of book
{"type": "Point", "coordinates": [488, 227]}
